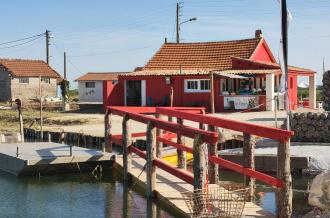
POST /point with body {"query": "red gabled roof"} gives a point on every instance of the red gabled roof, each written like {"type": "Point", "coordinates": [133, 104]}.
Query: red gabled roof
{"type": "Point", "coordinates": [202, 55]}
{"type": "Point", "coordinates": [267, 65]}
{"type": "Point", "coordinates": [91, 76]}
{"type": "Point", "coordinates": [29, 68]}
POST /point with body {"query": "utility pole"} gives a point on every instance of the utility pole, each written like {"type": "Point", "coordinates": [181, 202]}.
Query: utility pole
{"type": "Point", "coordinates": [178, 7]}
{"type": "Point", "coordinates": [65, 83]}
{"type": "Point", "coordinates": [41, 120]}
{"type": "Point", "coordinates": [323, 65]}
{"type": "Point", "coordinates": [47, 34]}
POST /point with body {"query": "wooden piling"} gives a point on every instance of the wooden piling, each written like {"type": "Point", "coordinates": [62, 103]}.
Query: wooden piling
{"type": "Point", "coordinates": [151, 154]}
{"type": "Point", "coordinates": [21, 126]}
{"type": "Point", "coordinates": [62, 137]}
{"type": "Point", "coordinates": [284, 194]}
{"type": "Point", "coordinates": [199, 162]}
{"type": "Point", "coordinates": [182, 162]}
{"type": "Point", "coordinates": [159, 145]}
{"type": "Point", "coordinates": [249, 162]}
{"type": "Point", "coordinates": [202, 125]}
{"type": "Point", "coordinates": [49, 136]}
{"type": "Point", "coordinates": [213, 171]}
{"type": "Point", "coordinates": [107, 131]}
{"type": "Point", "coordinates": [127, 142]}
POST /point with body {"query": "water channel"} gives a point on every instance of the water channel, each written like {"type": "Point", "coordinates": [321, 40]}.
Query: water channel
{"type": "Point", "coordinates": [83, 195]}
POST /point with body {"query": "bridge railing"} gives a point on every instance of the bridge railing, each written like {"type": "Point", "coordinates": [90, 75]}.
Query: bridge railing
{"type": "Point", "coordinates": [205, 146]}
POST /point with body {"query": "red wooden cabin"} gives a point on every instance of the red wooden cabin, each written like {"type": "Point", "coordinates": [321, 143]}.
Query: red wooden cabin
{"type": "Point", "coordinates": [245, 74]}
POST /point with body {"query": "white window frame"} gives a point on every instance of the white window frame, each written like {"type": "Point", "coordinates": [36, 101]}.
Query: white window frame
{"type": "Point", "coordinates": [45, 80]}
{"type": "Point", "coordinates": [90, 82]}
{"type": "Point", "coordinates": [198, 85]}
{"type": "Point", "coordinates": [24, 80]}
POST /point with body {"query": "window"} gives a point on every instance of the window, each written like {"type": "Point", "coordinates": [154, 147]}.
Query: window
{"type": "Point", "coordinates": [192, 85]}
{"type": "Point", "coordinates": [45, 80]}
{"type": "Point", "coordinates": [197, 85]}
{"type": "Point", "coordinates": [227, 85]}
{"type": "Point", "coordinates": [23, 80]}
{"type": "Point", "coordinates": [205, 84]}
{"type": "Point", "coordinates": [90, 84]}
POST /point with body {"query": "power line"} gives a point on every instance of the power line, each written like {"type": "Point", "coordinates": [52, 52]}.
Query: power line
{"type": "Point", "coordinates": [18, 40]}
{"type": "Point", "coordinates": [110, 53]}
{"type": "Point", "coordinates": [13, 46]}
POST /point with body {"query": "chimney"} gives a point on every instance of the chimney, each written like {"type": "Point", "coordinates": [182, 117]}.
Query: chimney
{"type": "Point", "coordinates": [258, 34]}
{"type": "Point", "coordinates": [165, 40]}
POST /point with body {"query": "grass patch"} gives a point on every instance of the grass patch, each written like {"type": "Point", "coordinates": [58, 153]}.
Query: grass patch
{"type": "Point", "coordinates": [9, 121]}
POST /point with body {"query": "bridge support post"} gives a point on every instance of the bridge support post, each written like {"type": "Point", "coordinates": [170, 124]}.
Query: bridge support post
{"type": "Point", "coordinates": [159, 145]}
{"type": "Point", "coordinates": [249, 162]}
{"type": "Point", "coordinates": [107, 131]}
{"type": "Point", "coordinates": [202, 125]}
{"type": "Point", "coordinates": [127, 142]}
{"type": "Point", "coordinates": [151, 154]}
{"type": "Point", "coordinates": [182, 162]}
{"type": "Point", "coordinates": [284, 194]}
{"type": "Point", "coordinates": [199, 169]}
{"type": "Point", "coordinates": [213, 170]}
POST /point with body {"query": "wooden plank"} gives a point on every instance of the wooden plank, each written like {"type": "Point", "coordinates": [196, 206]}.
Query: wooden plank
{"type": "Point", "coordinates": [168, 190]}
{"type": "Point", "coordinates": [253, 129]}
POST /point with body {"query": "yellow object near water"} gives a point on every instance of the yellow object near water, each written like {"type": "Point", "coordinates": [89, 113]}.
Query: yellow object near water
{"type": "Point", "coordinates": [173, 158]}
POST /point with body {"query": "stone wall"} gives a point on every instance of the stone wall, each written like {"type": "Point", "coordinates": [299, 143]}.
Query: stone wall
{"type": "Point", "coordinates": [310, 127]}
{"type": "Point", "coordinates": [28, 91]}
{"type": "Point", "coordinates": [4, 85]}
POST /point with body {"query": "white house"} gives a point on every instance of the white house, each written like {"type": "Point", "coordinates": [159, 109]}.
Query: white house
{"type": "Point", "coordinates": [90, 86]}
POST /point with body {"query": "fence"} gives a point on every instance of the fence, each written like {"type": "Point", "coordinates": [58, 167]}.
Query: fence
{"type": "Point", "coordinates": [204, 148]}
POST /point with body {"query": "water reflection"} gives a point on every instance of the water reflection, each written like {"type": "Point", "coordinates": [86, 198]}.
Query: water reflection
{"type": "Point", "coordinates": [78, 195]}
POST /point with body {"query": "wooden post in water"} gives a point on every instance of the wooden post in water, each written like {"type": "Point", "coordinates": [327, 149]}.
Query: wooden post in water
{"type": "Point", "coordinates": [107, 131]}
{"type": "Point", "coordinates": [159, 145]}
{"type": "Point", "coordinates": [127, 142]}
{"type": "Point", "coordinates": [199, 162]}
{"type": "Point", "coordinates": [182, 162]}
{"type": "Point", "coordinates": [49, 137]}
{"type": "Point", "coordinates": [199, 170]}
{"type": "Point", "coordinates": [151, 154]}
{"type": "Point", "coordinates": [62, 136]}
{"type": "Point", "coordinates": [284, 194]}
{"type": "Point", "coordinates": [248, 158]}
{"type": "Point", "coordinates": [213, 170]}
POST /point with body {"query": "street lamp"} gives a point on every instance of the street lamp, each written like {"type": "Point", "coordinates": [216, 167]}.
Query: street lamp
{"type": "Point", "coordinates": [179, 25]}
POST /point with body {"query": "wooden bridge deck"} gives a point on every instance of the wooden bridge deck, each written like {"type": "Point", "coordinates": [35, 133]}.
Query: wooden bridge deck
{"type": "Point", "coordinates": [169, 188]}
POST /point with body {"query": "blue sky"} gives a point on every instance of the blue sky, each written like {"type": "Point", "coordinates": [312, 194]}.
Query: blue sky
{"type": "Point", "coordinates": [108, 35]}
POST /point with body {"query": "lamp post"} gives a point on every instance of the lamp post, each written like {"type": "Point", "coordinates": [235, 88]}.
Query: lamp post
{"type": "Point", "coordinates": [178, 23]}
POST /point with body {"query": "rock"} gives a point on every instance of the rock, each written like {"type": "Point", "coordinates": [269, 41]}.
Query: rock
{"type": "Point", "coordinates": [318, 214]}
{"type": "Point", "coordinates": [319, 194]}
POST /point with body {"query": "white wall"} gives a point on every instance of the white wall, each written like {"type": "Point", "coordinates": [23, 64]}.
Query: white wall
{"type": "Point", "coordinates": [90, 94]}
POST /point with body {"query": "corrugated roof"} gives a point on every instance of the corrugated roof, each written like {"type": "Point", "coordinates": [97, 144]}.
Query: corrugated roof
{"type": "Point", "coordinates": [29, 68]}
{"type": "Point", "coordinates": [100, 76]}
{"type": "Point", "coordinates": [202, 55]}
